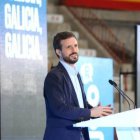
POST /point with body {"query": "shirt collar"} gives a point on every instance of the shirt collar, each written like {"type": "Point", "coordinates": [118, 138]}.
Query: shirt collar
{"type": "Point", "coordinates": [69, 68]}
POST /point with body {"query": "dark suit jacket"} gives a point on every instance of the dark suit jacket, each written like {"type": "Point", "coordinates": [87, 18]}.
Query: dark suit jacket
{"type": "Point", "coordinates": [62, 107]}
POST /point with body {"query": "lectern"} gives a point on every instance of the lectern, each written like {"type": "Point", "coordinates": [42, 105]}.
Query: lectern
{"type": "Point", "coordinates": [127, 124]}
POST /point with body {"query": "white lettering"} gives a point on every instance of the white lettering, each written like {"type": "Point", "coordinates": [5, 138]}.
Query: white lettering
{"type": "Point", "coordinates": [8, 48]}
{"type": "Point", "coordinates": [93, 95]}
{"type": "Point", "coordinates": [23, 18]}
{"type": "Point", "coordinates": [99, 135]}
{"type": "Point", "coordinates": [22, 46]}
{"type": "Point", "coordinates": [8, 21]}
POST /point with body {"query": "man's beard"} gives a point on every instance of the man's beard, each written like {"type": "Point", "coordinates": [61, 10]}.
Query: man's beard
{"type": "Point", "coordinates": [69, 60]}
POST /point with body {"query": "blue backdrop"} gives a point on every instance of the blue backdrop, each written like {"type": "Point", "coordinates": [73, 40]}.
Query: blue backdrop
{"type": "Point", "coordinates": [95, 73]}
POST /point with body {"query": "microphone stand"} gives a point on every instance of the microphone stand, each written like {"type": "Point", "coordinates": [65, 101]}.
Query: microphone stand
{"type": "Point", "coordinates": [120, 91]}
{"type": "Point", "coordinates": [123, 94]}
{"type": "Point", "coordinates": [127, 97]}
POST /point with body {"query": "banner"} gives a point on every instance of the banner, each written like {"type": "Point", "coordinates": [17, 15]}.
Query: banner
{"type": "Point", "coordinates": [95, 73]}
{"type": "Point", "coordinates": [105, 4]}
{"type": "Point", "coordinates": [22, 25]}
{"type": "Point", "coordinates": [23, 67]}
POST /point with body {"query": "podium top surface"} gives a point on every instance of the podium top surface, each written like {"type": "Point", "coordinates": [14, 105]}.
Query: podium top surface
{"type": "Point", "coordinates": [129, 118]}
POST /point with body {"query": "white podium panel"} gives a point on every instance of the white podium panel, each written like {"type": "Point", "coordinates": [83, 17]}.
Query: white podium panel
{"type": "Point", "coordinates": [125, 119]}
{"type": "Point", "coordinates": [127, 124]}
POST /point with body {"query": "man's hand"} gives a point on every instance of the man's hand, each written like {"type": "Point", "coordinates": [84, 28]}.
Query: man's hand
{"type": "Point", "coordinates": [101, 111]}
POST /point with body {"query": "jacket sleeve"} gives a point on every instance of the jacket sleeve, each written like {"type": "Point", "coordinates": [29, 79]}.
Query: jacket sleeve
{"type": "Point", "coordinates": [56, 100]}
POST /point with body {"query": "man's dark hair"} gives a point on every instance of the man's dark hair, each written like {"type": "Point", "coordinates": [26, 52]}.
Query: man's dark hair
{"type": "Point", "coordinates": [61, 36]}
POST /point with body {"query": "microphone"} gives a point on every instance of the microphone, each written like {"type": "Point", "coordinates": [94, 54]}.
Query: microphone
{"type": "Point", "coordinates": [122, 93]}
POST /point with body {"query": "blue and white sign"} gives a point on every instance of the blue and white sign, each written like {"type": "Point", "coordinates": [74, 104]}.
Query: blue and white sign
{"type": "Point", "coordinates": [95, 73]}
{"type": "Point", "coordinates": [23, 67]}
{"type": "Point", "coordinates": [23, 29]}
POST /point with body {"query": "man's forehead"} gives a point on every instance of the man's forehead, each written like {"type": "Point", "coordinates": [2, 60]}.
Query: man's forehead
{"type": "Point", "coordinates": [69, 41]}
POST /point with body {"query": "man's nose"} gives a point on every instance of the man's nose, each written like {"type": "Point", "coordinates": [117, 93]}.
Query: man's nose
{"type": "Point", "coordinates": [74, 49]}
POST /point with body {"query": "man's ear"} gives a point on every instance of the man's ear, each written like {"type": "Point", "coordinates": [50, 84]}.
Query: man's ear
{"type": "Point", "coordinates": [58, 52]}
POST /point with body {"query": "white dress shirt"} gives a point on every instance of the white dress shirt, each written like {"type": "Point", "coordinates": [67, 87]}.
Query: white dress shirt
{"type": "Point", "coordinates": [73, 76]}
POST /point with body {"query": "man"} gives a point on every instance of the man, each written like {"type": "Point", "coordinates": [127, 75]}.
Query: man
{"type": "Point", "coordinates": [65, 99]}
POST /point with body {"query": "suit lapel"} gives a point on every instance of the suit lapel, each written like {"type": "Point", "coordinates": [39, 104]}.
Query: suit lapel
{"type": "Point", "coordinates": [69, 82]}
